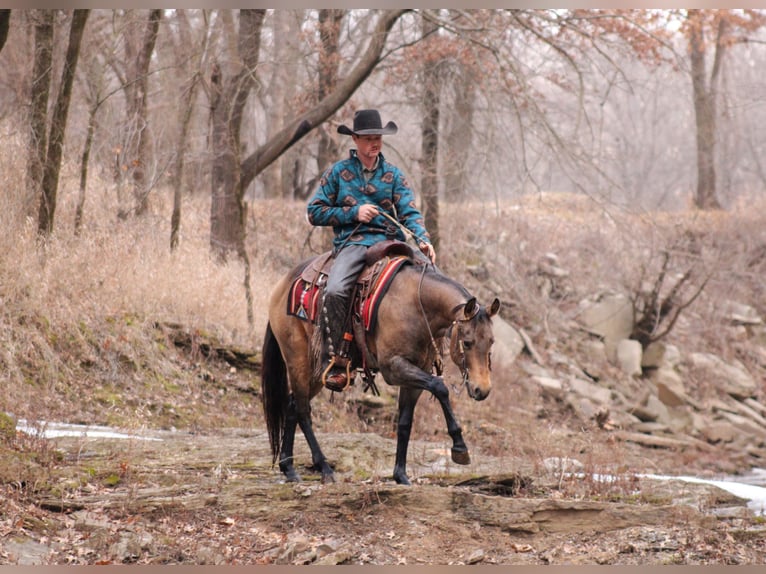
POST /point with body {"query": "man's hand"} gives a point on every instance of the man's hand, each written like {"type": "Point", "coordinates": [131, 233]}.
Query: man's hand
{"type": "Point", "coordinates": [428, 250]}
{"type": "Point", "coordinates": [367, 212]}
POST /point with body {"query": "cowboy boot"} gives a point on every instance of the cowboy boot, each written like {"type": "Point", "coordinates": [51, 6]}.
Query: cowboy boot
{"type": "Point", "coordinates": [336, 367]}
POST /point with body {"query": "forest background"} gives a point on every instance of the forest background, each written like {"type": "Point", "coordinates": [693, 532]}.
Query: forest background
{"type": "Point", "coordinates": [157, 162]}
{"type": "Point", "coordinates": [155, 171]}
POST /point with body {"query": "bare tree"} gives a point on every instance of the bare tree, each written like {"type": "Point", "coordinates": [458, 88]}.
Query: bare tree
{"type": "Point", "coordinates": [719, 29]}
{"type": "Point", "coordinates": [139, 47]}
{"type": "Point", "coordinates": [230, 92]}
{"type": "Point", "coordinates": [230, 178]}
{"type": "Point", "coordinates": [38, 115]}
{"type": "Point", "coordinates": [58, 125]}
{"type": "Point", "coordinates": [329, 62]}
{"type": "Point", "coordinates": [704, 89]}
{"type": "Point", "coordinates": [329, 58]}
{"type": "Point", "coordinates": [293, 131]}
{"type": "Point", "coordinates": [429, 185]}
{"type": "Point", "coordinates": [277, 97]}
{"type": "Point", "coordinates": [191, 61]}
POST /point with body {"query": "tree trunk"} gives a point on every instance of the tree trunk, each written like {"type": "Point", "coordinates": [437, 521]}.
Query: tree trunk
{"type": "Point", "coordinates": [38, 114]}
{"type": "Point", "coordinates": [58, 125]}
{"type": "Point", "coordinates": [704, 111]}
{"type": "Point", "coordinates": [459, 136]}
{"type": "Point", "coordinates": [137, 145]}
{"type": "Point", "coordinates": [429, 185]}
{"type": "Point", "coordinates": [5, 24]}
{"type": "Point", "coordinates": [80, 208]}
{"type": "Point", "coordinates": [185, 110]}
{"type": "Point", "coordinates": [227, 208]}
{"type": "Point", "coordinates": [329, 60]}
{"type": "Point", "coordinates": [227, 217]}
{"type": "Point", "coordinates": [281, 80]}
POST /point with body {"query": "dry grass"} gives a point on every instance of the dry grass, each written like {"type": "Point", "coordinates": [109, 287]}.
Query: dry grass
{"type": "Point", "coordinates": [78, 314]}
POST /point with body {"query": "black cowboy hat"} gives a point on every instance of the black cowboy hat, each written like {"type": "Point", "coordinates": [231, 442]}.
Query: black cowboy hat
{"type": "Point", "coordinates": [367, 123]}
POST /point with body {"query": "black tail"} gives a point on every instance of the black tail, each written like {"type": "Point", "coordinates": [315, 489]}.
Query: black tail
{"type": "Point", "coordinates": [274, 392]}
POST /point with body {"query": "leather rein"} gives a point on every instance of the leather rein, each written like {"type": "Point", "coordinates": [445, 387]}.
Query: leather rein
{"type": "Point", "coordinates": [457, 349]}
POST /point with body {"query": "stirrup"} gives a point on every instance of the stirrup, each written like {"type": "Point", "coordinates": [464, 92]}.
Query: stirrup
{"type": "Point", "coordinates": [332, 386]}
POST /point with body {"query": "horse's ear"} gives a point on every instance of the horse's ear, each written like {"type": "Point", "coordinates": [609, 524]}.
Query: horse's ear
{"type": "Point", "coordinates": [470, 308]}
{"type": "Point", "coordinates": [494, 308]}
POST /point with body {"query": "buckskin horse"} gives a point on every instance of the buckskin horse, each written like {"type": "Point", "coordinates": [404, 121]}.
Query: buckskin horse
{"type": "Point", "coordinates": [422, 309]}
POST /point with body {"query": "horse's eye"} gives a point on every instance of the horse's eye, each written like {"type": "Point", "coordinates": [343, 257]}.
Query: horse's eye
{"type": "Point", "coordinates": [467, 345]}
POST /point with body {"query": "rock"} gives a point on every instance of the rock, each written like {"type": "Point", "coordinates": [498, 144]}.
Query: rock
{"type": "Point", "coordinates": [590, 391]}
{"type": "Point", "coordinates": [741, 314]}
{"type": "Point", "coordinates": [593, 357]}
{"type": "Point", "coordinates": [335, 558]}
{"type": "Point", "coordinates": [629, 357]}
{"type": "Point", "coordinates": [670, 387]}
{"type": "Point", "coordinates": [643, 413]}
{"type": "Point", "coordinates": [659, 354]}
{"type": "Point", "coordinates": [650, 427]}
{"type": "Point", "coordinates": [475, 557]}
{"type": "Point", "coordinates": [755, 405]}
{"type": "Point", "coordinates": [680, 419]}
{"type": "Point", "coordinates": [656, 406]}
{"type": "Point", "coordinates": [744, 424]}
{"type": "Point", "coordinates": [371, 401]}
{"type": "Point", "coordinates": [731, 378]}
{"type": "Point", "coordinates": [26, 552]}
{"type": "Point", "coordinates": [662, 441]}
{"type": "Point", "coordinates": [741, 408]}
{"type": "Point", "coordinates": [550, 386]}
{"type": "Point", "coordinates": [508, 343]}
{"type": "Point", "coordinates": [583, 407]}
{"type": "Point", "coordinates": [327, 547]}
{"type": "Point", "coordinates": [611, 318]}
{"type": "Point", "coordinates": [719, 431]}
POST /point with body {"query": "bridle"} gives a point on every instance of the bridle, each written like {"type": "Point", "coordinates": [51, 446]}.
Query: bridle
{"type": "Point", "coordinates": [457, 346]}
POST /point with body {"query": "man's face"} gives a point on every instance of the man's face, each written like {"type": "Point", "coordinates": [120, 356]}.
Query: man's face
{"type": "Point", "coordinates": [368, 147]}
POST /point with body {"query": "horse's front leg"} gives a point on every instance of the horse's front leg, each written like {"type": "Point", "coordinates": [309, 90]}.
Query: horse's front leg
{"type": "Point", "coordinates": [401, 372]}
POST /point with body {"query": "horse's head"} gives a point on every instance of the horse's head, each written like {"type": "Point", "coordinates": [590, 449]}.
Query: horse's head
{"type": "Point", "coordinates": [471, 342]}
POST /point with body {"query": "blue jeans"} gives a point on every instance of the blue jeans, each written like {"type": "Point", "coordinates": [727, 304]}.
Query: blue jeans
{"type": "Point", "coordinates": [348, 264]}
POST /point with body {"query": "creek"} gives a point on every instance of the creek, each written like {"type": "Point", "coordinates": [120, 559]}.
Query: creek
{"type": "Point", "coordinates": [751, 487]}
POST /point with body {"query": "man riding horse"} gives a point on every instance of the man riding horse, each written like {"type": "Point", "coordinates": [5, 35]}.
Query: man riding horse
{"type": "Point", "coordinates": [365, 199]}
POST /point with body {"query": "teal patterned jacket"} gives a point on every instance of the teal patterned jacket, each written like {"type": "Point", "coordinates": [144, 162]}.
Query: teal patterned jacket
{"type": "Point", "coordinates": [342, 189]}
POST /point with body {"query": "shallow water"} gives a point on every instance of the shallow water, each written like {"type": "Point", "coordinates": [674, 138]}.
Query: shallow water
{"type": "Point", "coordinates": [751, 487]}
{"type": "Point", "coordinates": [744, 487]}
{"type": "Point", "coordinates": [56, 430]}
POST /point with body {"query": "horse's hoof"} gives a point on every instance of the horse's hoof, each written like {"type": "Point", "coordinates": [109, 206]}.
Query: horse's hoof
{"type": "Point", "coordinates": [328, 478]}
{"type": "Point", "coordinates": [461, 457]}
{"type": "Point", "coordinates": [292, 477]}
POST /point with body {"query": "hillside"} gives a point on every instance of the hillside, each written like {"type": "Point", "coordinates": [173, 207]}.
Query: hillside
{"type": "Point", "coordinates": [109, 328]}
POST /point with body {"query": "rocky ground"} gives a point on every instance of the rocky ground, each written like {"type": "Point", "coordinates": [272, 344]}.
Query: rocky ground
{"type": "Point", "coordinates": [210, 496]}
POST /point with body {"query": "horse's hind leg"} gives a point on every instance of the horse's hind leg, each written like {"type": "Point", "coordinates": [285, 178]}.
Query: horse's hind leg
{"type": "Point", "coordinates": [288, 441]}
{"type": "Point", "coordinates": [317, 456]}
{"type": "Point", "coordinates": [301, 375]}
{"type": "Point", "coordinates": [408, 398]}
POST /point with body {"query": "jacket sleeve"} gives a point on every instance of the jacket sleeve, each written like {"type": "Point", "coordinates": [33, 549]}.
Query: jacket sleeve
{"type": "Point", "coordinates": [407, 212]}
{"type": "Point", "coordinates": [323, 209]}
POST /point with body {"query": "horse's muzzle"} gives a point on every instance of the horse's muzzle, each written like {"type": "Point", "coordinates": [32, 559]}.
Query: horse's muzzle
{"type": "Point", "coordinates": [476, 393]}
